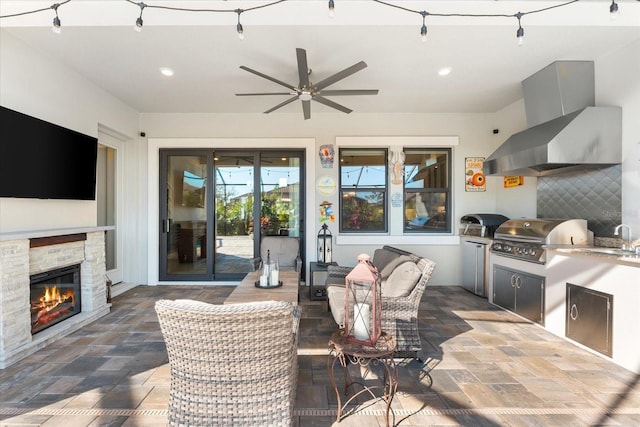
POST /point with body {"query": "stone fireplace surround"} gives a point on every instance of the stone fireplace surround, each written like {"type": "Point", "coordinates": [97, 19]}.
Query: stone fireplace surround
{"type": "Point", "coordinates": [18, 261]}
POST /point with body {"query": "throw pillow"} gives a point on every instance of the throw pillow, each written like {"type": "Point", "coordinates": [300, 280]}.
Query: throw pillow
{"type": "Point", "coordinates": [381, 257]}
{"type": "Point", "coordinates": [402, 280]}
{"type": "Point", "coordinates": [391, 265]}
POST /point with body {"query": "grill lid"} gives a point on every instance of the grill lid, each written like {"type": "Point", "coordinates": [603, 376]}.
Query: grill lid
{"type": "Point", "coordinates": [545, 231]}
{"type": "Point", "coordinates": [484, 219]}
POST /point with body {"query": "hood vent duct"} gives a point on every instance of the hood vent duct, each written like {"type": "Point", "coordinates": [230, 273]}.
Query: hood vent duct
{"type": "Point", "coordinates": [566, 131]}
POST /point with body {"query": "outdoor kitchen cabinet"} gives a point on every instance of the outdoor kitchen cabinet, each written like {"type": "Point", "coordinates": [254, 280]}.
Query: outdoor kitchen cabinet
{"type": "Point", "coordinates": [522, 293]}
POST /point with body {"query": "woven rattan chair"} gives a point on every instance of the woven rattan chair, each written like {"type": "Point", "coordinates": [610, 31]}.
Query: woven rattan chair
{"type": "Point", "coordinates": [231, 365]}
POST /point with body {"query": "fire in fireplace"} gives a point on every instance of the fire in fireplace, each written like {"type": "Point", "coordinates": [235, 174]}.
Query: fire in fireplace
{"type": "Point", "coordinates": [55, 296]}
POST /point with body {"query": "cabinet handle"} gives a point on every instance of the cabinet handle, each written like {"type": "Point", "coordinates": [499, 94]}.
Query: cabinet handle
{"type": "Point", "coordinates": [574, 312]}
{"type": "Point", "coordinates": [518, 282]}
{"type": "Point", "coordinates": [513, 281]}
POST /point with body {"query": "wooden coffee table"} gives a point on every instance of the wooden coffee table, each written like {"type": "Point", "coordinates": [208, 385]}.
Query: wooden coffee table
{"type": "Point", "coordinates": [246, 291]}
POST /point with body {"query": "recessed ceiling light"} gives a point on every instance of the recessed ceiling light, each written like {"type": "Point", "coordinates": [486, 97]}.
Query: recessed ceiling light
{"type": "Point", "coordinates": [444, 71]}
{"type": "Point", "coordinates": [166, 71]}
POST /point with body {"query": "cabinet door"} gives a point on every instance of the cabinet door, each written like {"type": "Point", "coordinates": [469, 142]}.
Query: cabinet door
{"type": "Point", "coordinates": [469, 266]}
{"type": "Point", "coordinates": [589, 318]}
{"type": "Point", "coordinates": [504, 290]}
{"type": "Point", "coordinates": [530, 297]}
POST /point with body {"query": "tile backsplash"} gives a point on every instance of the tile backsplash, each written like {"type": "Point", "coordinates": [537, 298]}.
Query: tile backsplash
{"type": "Point", "coordinates": [594, 195]}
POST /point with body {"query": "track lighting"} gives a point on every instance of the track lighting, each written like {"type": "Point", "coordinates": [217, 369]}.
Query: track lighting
{"type": "Point", "coordinates": [520, 32]}
{"type": "Point", "coordinates": [332, 7]}
{"type": "Point", "coordinates": [613, 10]}
{"type": "Point", "coordinates": [239, 28]}
{"type": "Point", "coordinates": [56, 21]}
{"type": "Point", "coordinates": [139, 23]}
{"type": "Point", "coordinates": [423, 29]}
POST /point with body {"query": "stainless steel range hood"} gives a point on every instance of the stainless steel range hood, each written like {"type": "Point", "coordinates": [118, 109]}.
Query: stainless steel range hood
{"type": "Point", "coordinates": [565, 130]}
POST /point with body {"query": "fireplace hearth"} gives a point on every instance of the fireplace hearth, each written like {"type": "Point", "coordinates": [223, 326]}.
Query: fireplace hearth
{"type": "Point", "coordinates": [54, 297]}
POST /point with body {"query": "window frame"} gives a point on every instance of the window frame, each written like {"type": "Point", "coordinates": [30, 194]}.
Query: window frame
{"type": "Point", "coordinates": [447, 190]}
{"type": "Point", "coordinates": [384, 190]}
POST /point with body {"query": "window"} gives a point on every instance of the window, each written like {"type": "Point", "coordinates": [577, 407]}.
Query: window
{"type": "Point", "coordinates": [427, 201]}
{"type": "Point", "coordinates": [363, 190]}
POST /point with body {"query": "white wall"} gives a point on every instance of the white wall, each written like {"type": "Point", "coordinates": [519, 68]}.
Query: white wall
{"type": "Point", "coordinates": [38, 85]}
{"type": "Point", "coordinates": [474, 132]}
{"type": "Point", "coordinates": [618, 83]}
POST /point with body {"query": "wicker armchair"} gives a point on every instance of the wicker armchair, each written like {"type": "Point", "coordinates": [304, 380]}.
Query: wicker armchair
{"type": "Point", "coordinates": [231, 365]}
{"type": "Point", "coordinates": [399, 314]}
{"type": "Point", "coordinates": [284, 250]}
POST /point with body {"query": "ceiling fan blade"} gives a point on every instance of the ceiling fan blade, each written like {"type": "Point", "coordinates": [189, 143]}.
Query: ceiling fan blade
{"type": "Point", "coordinates": [349, 92]}
{"type": "Point", "coordinates": [270, 93]}
{"type": "Point", "coordinates": [303, 67]}
{"type": "Point", "coordinates": [340, 75]}
{"type": "Point", "coordinates": [264, 76]}
{"type": "Point", "coordinates": [306, 109]}
{"type": "Point", "coordinates": [331, 104]}
{"type": "Point", "coordinates": [282, 104]}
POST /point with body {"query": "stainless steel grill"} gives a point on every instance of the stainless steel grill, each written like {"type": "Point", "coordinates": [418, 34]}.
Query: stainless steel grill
{"type": "Point", "coordinates": [525, 238]}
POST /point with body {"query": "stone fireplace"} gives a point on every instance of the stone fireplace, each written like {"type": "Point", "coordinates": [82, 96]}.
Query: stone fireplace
{"type": "Point", "coordinates": [60, 257]}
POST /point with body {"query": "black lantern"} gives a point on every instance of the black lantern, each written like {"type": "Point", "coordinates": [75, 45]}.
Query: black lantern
{"type": "Point", "coordinates": [325, 244]}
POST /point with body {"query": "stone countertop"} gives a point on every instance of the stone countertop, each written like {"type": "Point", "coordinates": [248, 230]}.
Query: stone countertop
{"type": "Point", "coordinates": [630, 259]}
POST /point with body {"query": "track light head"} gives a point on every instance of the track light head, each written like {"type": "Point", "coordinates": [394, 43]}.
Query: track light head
{"type": "Point", "coordinates": [332, 7]}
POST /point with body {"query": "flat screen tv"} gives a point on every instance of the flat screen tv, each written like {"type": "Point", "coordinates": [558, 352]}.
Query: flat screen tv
{"type": "Point", "coordinates": [42, 160]}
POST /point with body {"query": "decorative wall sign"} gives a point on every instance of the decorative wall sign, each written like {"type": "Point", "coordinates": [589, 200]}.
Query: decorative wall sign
{"type": "Point", "coordinates": [474, 177]}
{"type": "Point", "coordinates": [396, 200]}
{"type": "Point", "coordinates": [326, 185]}
{"type": "Point", "coordinates": [513, 181]}
{"type": "Point", "coordinates": [326, 212]}
{"type": "Point", "coordinates": [326, 154]}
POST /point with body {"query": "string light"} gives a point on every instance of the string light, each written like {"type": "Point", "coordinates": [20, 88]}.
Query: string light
{"type": "Point", "coordinates": [423, 30]}
{"type": "Point", "coordinates": [239, 28]}
{"type": "Point", "coordinates": [520, 32]}
{"type": "Point", "coordinates": [613, 10]}
{"type": "Point", "coordinates": [332, 7]}
{"type": "Point", "coordinates": [57, 28]}
{"type": "Point", "coordinates": [138, 26]}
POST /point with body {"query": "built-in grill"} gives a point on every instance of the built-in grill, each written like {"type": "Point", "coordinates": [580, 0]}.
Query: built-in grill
{"type": "Point", "coordinates": [525, 238]}
{"type": "Point", "coordinates": [481, 225]}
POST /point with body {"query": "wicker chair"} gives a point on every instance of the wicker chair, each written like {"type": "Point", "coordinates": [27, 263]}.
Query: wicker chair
{"type": "Point", "coordinates": [231, 365]}
{"type": "Point", "coordinates": [399, 314]}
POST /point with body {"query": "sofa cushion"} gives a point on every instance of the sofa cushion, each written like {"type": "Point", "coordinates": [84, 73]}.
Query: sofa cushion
{"type": "Point", "coordinates": [335, 296]}
{"type": "Point", "coordinates": [402, 280]}
{"type": "Point", "coordinates": [382, 257]}
{"type": "Point", "coordinates": [391, 265]}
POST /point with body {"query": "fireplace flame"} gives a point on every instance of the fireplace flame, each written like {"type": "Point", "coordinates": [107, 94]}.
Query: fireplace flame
{"type": "Point", "coordinates": [52, 298]}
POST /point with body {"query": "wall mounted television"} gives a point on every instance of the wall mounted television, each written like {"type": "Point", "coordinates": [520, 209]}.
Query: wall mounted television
{"type": "Point", "coordinates": [42, 160]}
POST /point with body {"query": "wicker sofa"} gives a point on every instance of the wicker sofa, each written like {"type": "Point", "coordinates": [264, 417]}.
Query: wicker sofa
{"type": "Point", "coordinates": [404, 277]}
{"type": "Point", "coordinates": [231, 364]}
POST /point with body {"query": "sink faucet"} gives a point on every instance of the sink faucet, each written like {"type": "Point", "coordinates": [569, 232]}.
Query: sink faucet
{"type": "Point", "coordinates": [625, 246]}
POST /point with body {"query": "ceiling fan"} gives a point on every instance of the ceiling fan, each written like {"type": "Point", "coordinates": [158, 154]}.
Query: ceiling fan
{"type": "Point", "coordinates": [306, 91]}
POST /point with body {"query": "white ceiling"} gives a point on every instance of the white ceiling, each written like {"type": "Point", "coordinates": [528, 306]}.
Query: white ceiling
{"type": "Point", "coordinates": [99, 43]}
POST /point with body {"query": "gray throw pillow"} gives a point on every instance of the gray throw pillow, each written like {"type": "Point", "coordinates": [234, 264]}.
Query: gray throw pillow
{"type": "Point", "coordinates": [391, 265]}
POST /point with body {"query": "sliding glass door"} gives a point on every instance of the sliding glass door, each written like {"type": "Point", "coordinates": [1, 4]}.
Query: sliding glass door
{"type": "Point", "coordinates": [214, 235]}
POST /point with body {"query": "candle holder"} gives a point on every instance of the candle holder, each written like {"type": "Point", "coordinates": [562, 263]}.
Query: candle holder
{"type": "Point", "coordinates": [363, 304]}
